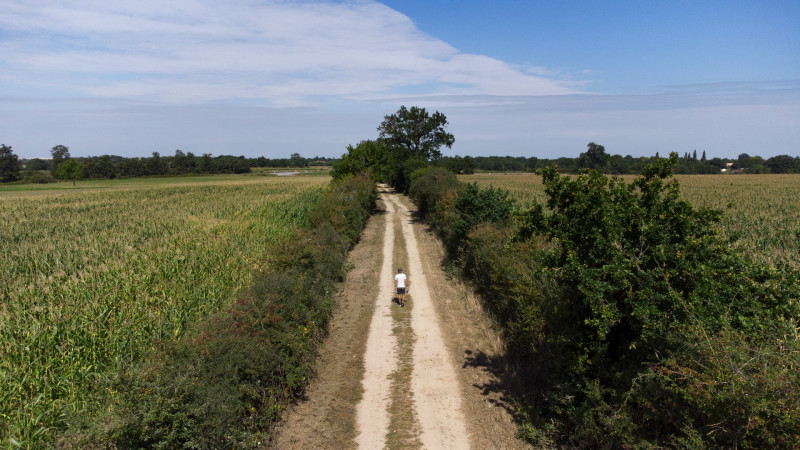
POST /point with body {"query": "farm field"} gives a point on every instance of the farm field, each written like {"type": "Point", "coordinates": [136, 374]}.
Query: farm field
{"type": "Point", "coordinates": [93, 276]}
{"type": "Point", "coordinates": [760, 210]}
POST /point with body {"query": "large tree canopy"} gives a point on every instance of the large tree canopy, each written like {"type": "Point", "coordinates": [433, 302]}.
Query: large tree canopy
{"type": "Point", "coordinates": [70, 170]}
{"type": "Point", "coordinates": [60, 154]}
{"type": "Point", "coordinates": [595, 157]}
{"type": "Point", "coordinates": [368, 156]}
{"type": "Point", "coordinates": [9, 164]}
{"type": "Point", "coordinates": [416, 133]}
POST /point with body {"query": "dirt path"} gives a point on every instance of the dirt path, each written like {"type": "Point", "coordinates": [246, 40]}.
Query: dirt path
{"type": "Point", "coordinates": [420, 376]}
{"type": "Point", "coordinates": [380, 358]}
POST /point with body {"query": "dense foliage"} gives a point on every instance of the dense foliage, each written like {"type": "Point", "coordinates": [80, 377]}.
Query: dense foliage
{"type": "Point", "coordinates": [636, 321]}
{"type": "Point", "coordinates": [226, 383]}
{"type": "Point", "coordinates": [9, 165]}
{"type": "Point", "coordinates": [408, 140]}
{"type": "Point", "coordinates": [412, 133]}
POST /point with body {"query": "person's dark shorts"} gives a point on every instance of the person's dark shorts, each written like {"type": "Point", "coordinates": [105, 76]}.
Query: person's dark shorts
{"type": "Point", "coordinates": [401, 291]}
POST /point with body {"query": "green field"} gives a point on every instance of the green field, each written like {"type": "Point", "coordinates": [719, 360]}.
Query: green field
{"type": "Point", "coordinates": [761, 211]}
{"type": "Point", "coordinates": [95, 275]}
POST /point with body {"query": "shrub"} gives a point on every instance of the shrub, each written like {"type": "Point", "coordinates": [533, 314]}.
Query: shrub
{"type": "Point", "coordinates": [429, 186]}
{"type": "Point", "coordinates": [501, 272]}
{"type": "Point", "coordinates": [638, 267]}
{"type": "Point", "coordinates": [37, 176]}
{"type": "Point", "coordinates": [471, 207]}
{"type": "Point", "coordinates": [647, 327]}
{"type": "Point", "coordinates": [400, 178]}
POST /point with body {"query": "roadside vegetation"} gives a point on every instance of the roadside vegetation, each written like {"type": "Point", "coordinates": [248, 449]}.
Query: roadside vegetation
{"type": "Point", "coordinates": [103, 282]}
{"type": "Point", "coordinates": [759, 212]}
{"type": "Point", "coordinates": [630, 317]}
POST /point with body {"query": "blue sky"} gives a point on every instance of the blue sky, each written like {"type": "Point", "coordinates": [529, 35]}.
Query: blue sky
{"type": "Point", "coordinates": [521, 78]}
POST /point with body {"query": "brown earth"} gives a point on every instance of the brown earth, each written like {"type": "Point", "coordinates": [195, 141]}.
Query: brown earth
{"type": "Point", "coordinates": [427, 377]}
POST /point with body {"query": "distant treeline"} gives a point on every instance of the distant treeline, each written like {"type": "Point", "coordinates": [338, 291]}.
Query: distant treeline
{"type": "Point", "coordinates": [63, 166]}
{"type": "Point", "coordinates": [596, 158]}
{"type": "Point", "coordinates": [109, 166]}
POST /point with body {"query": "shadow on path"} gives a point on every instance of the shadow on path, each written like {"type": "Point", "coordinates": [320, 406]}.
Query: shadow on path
{"type": "Point", "coordinates": [510, 382]}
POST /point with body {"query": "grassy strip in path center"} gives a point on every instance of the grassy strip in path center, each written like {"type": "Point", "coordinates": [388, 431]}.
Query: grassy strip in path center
{"type": "Point", "coordinates": [404, 428]}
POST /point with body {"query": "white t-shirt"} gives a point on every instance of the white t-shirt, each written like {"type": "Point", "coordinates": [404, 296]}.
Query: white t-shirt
{"type": "Point", "coordinates": [401, 280]}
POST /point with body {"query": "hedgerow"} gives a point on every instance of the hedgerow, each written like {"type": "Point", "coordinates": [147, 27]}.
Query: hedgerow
{"type": "Point", "coordinates": [644, 326]}
{"type": "Point", "coordinates": [226, 383]}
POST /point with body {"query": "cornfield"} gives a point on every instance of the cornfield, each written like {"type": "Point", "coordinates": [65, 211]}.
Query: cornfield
{"type": "Point", "coordinates": [94, 277]}
{"type": "Point", "coordinates": [759, 211]}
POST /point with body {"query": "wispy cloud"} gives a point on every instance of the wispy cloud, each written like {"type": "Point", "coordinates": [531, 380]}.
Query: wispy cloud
{"type": "Point", "coordinates": [274, 77]}
{"type": "Point", "coordinates": [280, 53]}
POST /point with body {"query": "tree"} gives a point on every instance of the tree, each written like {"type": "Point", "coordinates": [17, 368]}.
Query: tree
{"type": "Point", "coordinates": [156, 166]}
{"type": "Point", "coordinates": [9, 164]}
{"type": "Point", "coordinates": [413, 133]}
{"type": "Point", "coordinates": [60, 154]}
{"type": "Point", "coordinates": [37, 164]}
{"type": "Point", "coordinates": [104, 167]}
{"type": "Point", "coordinates": [297, 161]}
{"type": "Point", "coordinates": [595, 157]}
{"type": "Point", "coordinates": [180, 162]}
{"type": "Point", "coordinates": [70, 170]}
{"type": "Point", "coordinates": [206, 163]}
{"type": "Point", "coordinates": [457, 164]}
{"type": "Point", "coordinates": [783, 164]}
{"type": "Point", "coordinates": [368, 156]}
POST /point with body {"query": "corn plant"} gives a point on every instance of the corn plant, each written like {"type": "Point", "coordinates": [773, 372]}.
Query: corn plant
{"type": "Point", "coordinates": [93, 278]}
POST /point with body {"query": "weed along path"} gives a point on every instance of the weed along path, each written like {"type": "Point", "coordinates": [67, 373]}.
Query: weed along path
{"type": "Point", "coordinates": [425, 375]}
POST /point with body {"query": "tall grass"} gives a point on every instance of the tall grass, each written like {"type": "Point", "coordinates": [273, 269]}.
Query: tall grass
{"type": "Point", "coordinates": [759, 211]}
{"type": "Point", "coordinates": [93, 278]}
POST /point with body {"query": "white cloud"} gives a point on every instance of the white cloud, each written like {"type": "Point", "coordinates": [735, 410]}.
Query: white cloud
{"type": "Point", "coordinates": [285, 53]}
{"type": "Point", "coordinates": [272, 78]}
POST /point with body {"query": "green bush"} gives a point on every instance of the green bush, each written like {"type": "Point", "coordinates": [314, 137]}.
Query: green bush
{"type": "Point", "coordinates": [347, 206]}
{"type": "Point", "coordinates": [402, 172]}
{"type": "Point", "coordinates": [429, 185]}
{"type": "Point", "coordinates": [472, 206]}
{"type": "Point", "coordinates": [501, 271]}
{"type": "Point", "coordinates": [37, 176]}
{"type": "Point", "coordinates": [636, 266]}
{"type": "Point", "coordinates": [645, 327]}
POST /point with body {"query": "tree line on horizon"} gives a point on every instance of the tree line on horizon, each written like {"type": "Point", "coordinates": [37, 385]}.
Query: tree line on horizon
{"type": "Point", "coordinates": [596, 158]}
{"type": "Point", "coordinates": [65, 167]}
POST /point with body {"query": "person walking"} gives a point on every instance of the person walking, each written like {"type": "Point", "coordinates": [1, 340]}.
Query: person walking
{"type": "Point", "coordinates": [400, 285]}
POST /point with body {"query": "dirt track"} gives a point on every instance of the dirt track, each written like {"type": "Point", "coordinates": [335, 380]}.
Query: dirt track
{"type": "Point", "coordinates": [419, 376]}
